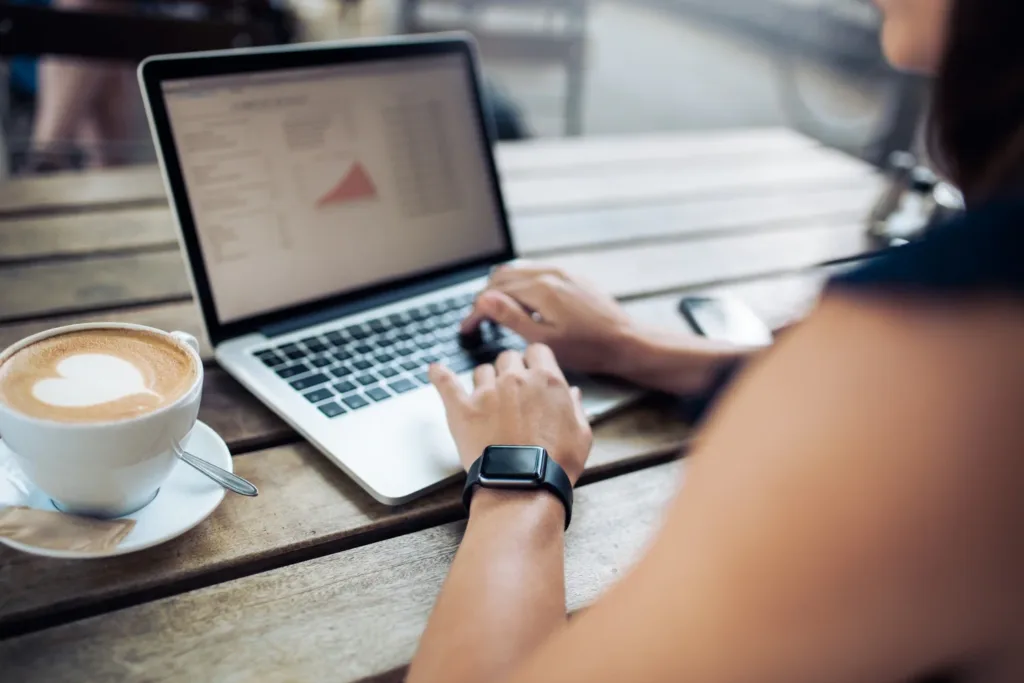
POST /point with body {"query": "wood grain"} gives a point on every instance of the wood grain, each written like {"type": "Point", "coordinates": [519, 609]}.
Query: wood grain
{"type": "Point", "coordinates": [342, 617]}
{"type": "Point", "coordinates": [77, 190]}
{"type": "Point", "coordinates": [81, 285]}
{"type": "Point", "coordinates": [306, 506]}
{"type": "Point", "coordinates": [45, 237]}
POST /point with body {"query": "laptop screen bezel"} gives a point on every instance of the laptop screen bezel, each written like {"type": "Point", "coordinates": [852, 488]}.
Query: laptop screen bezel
{"type": "Point", "coordinates": [155, 71]}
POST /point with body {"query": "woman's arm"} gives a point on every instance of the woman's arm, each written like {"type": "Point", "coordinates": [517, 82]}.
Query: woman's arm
{"type": "Point", "coordinates": [505, 593]}
{"type": "Point", "coordinates": [850, 515]}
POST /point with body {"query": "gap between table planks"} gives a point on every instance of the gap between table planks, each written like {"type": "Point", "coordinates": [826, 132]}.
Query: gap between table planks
{"type": "Point", "coordinates": [341, 617]}
{"type": "Point", "coordinates": [308, 507]}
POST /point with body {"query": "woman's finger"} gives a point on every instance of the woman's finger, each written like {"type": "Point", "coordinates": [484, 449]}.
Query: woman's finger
{"type": "Point", "coordinates": [541, 357]}
{"type": "Point", "coordinates": [504, 310]}
{"type": "Point", "coordinates": [508, 362]}
{"type": "Point", "coordinates": [483, 376]}
{"type": "Point", "coordinates": [452, 394]}
{"type": "Point", "coordinates": [523, 271]}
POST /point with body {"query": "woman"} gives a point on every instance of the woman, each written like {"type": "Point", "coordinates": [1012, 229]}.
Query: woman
{"type": "Point", "coordinates": [853, 511]}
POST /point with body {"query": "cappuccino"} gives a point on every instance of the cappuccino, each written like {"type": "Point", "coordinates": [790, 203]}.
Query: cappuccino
{"type": "Point", "coordinates": [96, 375]}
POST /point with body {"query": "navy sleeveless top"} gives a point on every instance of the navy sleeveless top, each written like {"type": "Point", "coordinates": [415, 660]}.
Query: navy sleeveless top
{"type": "Point", "coordinates": [979, 252]}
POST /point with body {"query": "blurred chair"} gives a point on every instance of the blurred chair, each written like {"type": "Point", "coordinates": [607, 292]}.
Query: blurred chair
{"type": "Point", "coordinates": [559, 37]}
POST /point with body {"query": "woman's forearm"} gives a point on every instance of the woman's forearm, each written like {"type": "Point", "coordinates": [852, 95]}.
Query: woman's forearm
{"type": "Point", "coordinates": [675, 362]}
{"type": "Point", "coordinates": [505, 593]}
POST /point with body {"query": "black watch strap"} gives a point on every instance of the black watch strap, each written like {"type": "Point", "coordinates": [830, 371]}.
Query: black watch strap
{"type": "Point", "coordinates": [553, 479]}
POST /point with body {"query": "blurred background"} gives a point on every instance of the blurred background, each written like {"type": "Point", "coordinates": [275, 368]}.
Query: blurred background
{"type": "Point", "coordinates": [68, 98]}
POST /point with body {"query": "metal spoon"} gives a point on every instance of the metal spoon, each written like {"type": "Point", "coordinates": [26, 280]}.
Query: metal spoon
{"type": "Point", "coordinates": [232, 482]}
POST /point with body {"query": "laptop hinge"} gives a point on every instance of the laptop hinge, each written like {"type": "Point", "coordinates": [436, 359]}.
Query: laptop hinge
{"type": "Point", "coordinates": [376, 301]}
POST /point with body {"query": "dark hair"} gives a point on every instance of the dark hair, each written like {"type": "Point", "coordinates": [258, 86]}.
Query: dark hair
{"type": "Point", "coordinates": [977, 131]}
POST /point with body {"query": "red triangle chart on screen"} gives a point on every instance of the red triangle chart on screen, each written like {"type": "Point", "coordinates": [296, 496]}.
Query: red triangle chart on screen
{"type": "Point", "coordinates": [355, 186]}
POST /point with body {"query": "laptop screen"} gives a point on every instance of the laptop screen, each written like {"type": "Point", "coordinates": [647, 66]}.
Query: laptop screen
{"type": "Point", "coordinates": [315, 182]}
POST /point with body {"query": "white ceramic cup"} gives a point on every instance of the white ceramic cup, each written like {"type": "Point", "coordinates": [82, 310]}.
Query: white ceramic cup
{"type": "Point", "coordinates": [103, 469]}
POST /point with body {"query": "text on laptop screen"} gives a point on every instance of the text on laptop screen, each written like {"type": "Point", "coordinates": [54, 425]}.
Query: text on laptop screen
{"type": "Point", "coordinates": [314, 182]}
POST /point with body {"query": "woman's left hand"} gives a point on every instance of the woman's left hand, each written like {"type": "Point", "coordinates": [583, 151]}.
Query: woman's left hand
{"type": "Point", "coordinates": [521, 400]}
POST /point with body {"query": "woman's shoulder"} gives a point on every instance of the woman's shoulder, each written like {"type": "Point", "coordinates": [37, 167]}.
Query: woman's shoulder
{"type": "Point", "coordinates": [980, 250]}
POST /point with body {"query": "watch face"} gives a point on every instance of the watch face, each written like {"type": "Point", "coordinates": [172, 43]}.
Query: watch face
{"type": "Point", "coordinates": [513, 462]}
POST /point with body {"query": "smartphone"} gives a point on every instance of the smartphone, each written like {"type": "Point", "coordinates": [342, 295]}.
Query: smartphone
{"type": "Point", "coordinates": [725, 319]}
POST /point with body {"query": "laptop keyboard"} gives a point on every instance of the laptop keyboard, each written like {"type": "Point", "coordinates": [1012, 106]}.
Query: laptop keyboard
{"type": "Point", "coordinates": [353, 367]}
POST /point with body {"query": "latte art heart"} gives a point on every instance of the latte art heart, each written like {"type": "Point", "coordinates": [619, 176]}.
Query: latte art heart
{"type": "Point", "coordinates": [97, 375]}
{"type": "Point", "coordinates": [90, 379]}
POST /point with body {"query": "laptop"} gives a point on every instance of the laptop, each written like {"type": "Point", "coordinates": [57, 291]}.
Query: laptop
{"type": "Point", "coordinates": [339, 208]}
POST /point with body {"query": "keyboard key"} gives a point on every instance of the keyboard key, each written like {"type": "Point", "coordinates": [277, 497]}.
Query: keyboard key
{"type": "Point", "coordinates": [386, 342]}
{"type": "Point", "coordinates": [358, 332]}
{"type": "Point", "coordinates": [436, 308]}
{"type": "Point", "coordinates": [387, 373]}
{"type": "Point", "coordinates": [402, 386]}
{"type": "Point", "coordinates": [260, 353]}
{"type": "Point", "coordinates": [363, 348]}
{"type": "Point", "coordinates": [317, 346]}
{"type": "Point", "coordinates": [425, 344]}
{"type": "Point", "coordinates": [290, 371]}
{"type": "Point", "coordinates": [378, 394]}
{"type": "Point", "coordinates": [331, 409]}
{"type": "Point", "coordinates": [345, 387]}
{"type": "Point", "coordinates": [319, 395]}
{"type": "Point", "coordinates": [310, 382]}
{"type": "Point", "coordinates": [285, 348]}
{"type": "Point", "coordinates": [411, 365]}
{"type": "Point", "coordinates": [462, 363]}
{"type": "Point", "coordinates": [337, 338]}
{"type": "Point", "coordinates": [423, 377]}
{"type": "Point", "coordinates": [432, 357]}
{"type": "Point", "coordinates": [405, 351]}
{"type": "Point", "coordinates": [419, 314]}
{"type": "Point", "coordinates": [366, 380]}
{"type": "Point", "coordinates": [321, 361]}
{"type": "Point", "coordinates": [362, 364]}
{"type": "Point", "coordinates": [295, 355]}
{"type": "Point", "coordinates": [396, 319]}
{"type": "Point", "coordinates": [464, 300]}
{"type": "Point", "coordinates": [342, 356]}
{"type": "Point", "coordinates": [404, 336]}
{"type": "Point", "coordinates": [341, 371]}
{"type": "Point", "coordinates": [355, 402]}
{"type": "Point", "coordinates": [377, 326]}
{"type": "Point", "coordinates": [384, 358]}
{"type": "Point", "coordinates": [273, 361]}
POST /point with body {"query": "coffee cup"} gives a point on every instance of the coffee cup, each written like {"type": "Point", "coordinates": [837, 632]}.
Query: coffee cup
{"type": "Point", "coordinates": [92, 412]}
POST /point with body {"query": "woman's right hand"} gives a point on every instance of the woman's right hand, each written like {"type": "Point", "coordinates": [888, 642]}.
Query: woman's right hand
{"type": "Point", "coordinates": [587, 329]}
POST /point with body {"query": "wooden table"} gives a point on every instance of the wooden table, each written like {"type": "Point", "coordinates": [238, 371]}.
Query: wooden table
{"type": "Point", "coordinates": [314, 580]}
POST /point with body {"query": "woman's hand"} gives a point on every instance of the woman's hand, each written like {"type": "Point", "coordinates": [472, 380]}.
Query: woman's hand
{"type": "Point", "coordinates": [521, 400]}
{"type": "Point", "coordinates": [586, 329]}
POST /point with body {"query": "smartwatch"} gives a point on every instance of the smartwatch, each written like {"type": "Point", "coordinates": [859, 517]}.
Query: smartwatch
{"type": "Point", "coordinates": [520, 468]}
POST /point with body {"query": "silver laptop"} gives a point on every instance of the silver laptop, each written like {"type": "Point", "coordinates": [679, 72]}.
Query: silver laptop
{"type": "Point", "coordinates": [339, 208]}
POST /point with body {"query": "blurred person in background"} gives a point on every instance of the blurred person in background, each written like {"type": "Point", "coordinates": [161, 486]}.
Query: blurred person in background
{"type": "Point", "coordinates": [84, 108]}
{"type": "Point", "coordinates": [852, 509]}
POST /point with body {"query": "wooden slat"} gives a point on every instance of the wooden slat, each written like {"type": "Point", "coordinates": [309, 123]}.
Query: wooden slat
{"type": "Point", "coordinates": [305, 504]}
{"type": "Point", "coordinates": [612, 186]}
{"type": "Point", "coordinates": [86, 233]}
{"type": "Point", "coordinates": [690, 219]}
{"type": "Point", "coordinates": [649, 269]}
{"type": "Point", "coordinates": [75, 190]}
{"type": "Point", "coordinates": [105, 281]}
{"type": "Point", "coordinates": [731, 146]}
{"type": "Point", "coordinates": [342, 617]}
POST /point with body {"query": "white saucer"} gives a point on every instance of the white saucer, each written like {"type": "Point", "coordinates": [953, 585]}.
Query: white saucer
{"type": "Point", "coordinates": [185, 499]}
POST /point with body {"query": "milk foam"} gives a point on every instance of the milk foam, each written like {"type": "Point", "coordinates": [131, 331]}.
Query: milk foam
{"type": "Point", "coordinates": [90, 379]}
